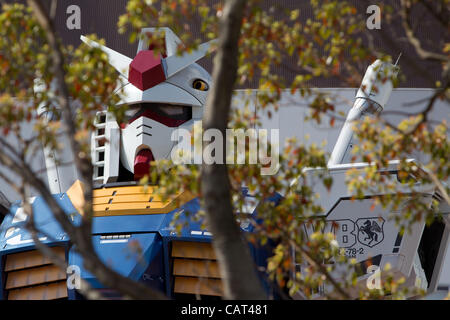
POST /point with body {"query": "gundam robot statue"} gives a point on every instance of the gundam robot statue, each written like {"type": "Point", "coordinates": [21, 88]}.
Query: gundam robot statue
{"type": "Point", "coordinates": [165, 93]}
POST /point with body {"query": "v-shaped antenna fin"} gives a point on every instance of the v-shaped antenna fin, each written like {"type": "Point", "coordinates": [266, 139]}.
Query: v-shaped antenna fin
{"type": "Point", "coordinates": [170, 38]}
{"type": "Point", "coordinates": [177, 63]}
{"type": "Point", "coordinates": [119, 61]}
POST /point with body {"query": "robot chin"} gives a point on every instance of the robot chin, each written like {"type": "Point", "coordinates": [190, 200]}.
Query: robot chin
{"type": "Point", "coordinates": [143, 141]}
{"type": "Point", "coordinates": [142, 163]}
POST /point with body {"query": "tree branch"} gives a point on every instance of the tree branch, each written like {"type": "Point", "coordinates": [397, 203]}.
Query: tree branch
{"type": "Point", "coordinates": [81, 236]}
{"type": "Point", "coordinates": [438, 15]}
{"type": "Point", "coordinates": [323, 270]}
{"type": "Point", "coordinates": [83, 244]}
{"type": "Point", "coordinates": [405, 11]}
{"type": "Point", "coordinates": [81, 160]}
{"type": "Point", "coordinates": [85, 288]}
{"type": "Point", "coordinates": [240, 279]}
{"type": "Point", "coordinates": [440, 187]}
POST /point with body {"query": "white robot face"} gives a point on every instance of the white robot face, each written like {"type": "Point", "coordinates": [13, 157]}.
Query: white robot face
{"type": "Point", "coordinates": [163, 93]}
{"type": "Point", "coordinates": [146, 135]}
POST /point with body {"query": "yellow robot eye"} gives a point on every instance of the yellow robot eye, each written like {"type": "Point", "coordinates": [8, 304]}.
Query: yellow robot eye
{"type": "Point", "coordinates": [200, 85]}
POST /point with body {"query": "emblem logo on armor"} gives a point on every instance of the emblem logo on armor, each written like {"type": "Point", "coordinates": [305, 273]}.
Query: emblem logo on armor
{"type": "Point", "coordinates": [370, 231]}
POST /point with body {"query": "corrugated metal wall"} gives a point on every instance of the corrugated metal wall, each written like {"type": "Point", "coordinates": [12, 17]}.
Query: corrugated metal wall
{"type": "Point", "coordinates": [101, 16]}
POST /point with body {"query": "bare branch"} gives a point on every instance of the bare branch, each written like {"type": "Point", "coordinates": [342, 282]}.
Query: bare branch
{"type": "Point", "coordinates": [81, 159]}
{"type": "Point", "coordinates": [82, 244]}
{"type": "Point", "coordinates": [405, 11]}
{"type": "Point", "coordinates": [240, 279]}
{"type": "Point", "coordinates": [439, 185]}
{"type": "Point", "coordinates": [440, 16]}
{"type": "Point", "coordinates": [323, 270]}
{"type": "Point", "coordinates": [80, 236]}
{"type": "Point", "coordinates": [85, 288]}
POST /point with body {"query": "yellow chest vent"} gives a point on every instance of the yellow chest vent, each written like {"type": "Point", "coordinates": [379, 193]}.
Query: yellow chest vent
{"type": "Point", "coordinates": [129, 200]}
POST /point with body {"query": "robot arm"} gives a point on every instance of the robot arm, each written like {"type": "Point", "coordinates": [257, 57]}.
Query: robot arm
{"type": "Point", "coordinates": [371, 98]}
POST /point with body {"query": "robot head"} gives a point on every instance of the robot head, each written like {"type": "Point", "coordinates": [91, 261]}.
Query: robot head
{"type": "Point", "coordinates": [163, 93]}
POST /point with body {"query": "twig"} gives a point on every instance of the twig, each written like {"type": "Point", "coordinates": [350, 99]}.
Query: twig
{"type": "Point", "coordinates": [405, 11]}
